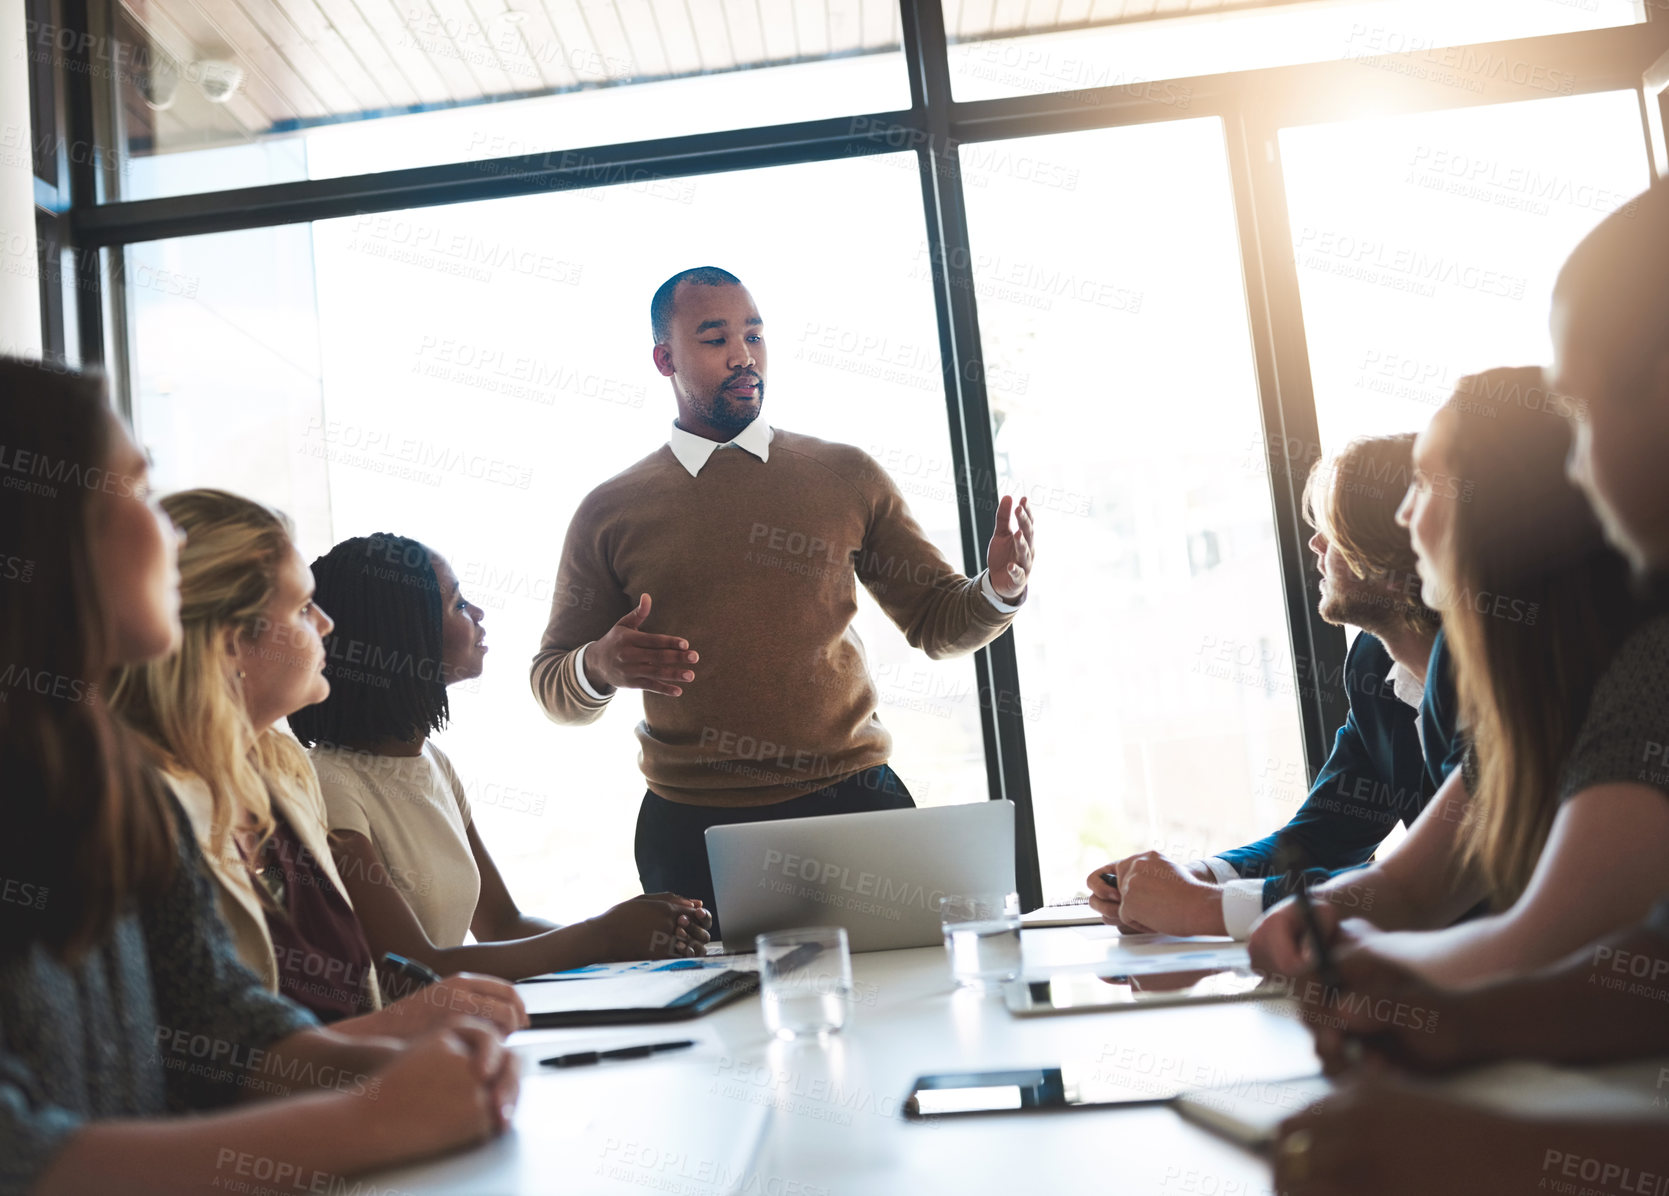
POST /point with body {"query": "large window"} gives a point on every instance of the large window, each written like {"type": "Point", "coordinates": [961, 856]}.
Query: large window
{"type": "Point", "coordinates": [1154, 663]}
{"type": "Point", "coordinates": [1427, 245]}
{"type": "Point", "coordinates": [313, 283]}
{"type": "Point", "coordinates": [470, 372]}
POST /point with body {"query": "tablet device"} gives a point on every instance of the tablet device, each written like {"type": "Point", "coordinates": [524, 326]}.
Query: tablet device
{"type": "Point", "coordinates": [1087, 992]}
{"type": "Point", "coordinates": [662, 996]}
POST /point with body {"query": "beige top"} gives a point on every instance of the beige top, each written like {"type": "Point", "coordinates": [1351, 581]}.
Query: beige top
{"type": "Point", "coordinates": [413, 810]}
{"type": "Point", "coordinates": [240, 906]}
{"type": "Point", "coordinates": [757, 564]}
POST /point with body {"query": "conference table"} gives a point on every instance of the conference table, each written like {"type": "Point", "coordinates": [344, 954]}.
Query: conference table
{"type": "Point", "coordinates": [743, 1113]}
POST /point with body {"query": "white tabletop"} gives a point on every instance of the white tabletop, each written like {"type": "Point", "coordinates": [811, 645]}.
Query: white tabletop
{"type": "Point", "coordinates": [741, 1113]}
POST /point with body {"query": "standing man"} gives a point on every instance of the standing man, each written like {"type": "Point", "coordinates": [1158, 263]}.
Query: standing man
{"type": "Point", "coordinates": [718, 575]}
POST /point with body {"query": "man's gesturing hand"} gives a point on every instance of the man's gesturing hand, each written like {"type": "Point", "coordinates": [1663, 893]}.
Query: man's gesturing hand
{"type": "Point", "coordinates": [1009, 559]}
{"type": "Point", "coordinates": [627, 658]}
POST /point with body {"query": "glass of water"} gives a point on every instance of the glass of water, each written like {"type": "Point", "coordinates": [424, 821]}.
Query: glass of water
{"type": "Point", "coordinates": [982, 936]}
{"type": "Point", "coordinates": [805, 981]}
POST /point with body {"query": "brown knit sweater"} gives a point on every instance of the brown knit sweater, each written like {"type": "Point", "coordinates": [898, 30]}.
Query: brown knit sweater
{"type": "Point", "coordinates": [755, 563]}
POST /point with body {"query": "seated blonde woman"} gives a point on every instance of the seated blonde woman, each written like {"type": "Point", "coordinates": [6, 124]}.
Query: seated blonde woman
{"type": "Point", "coordinates": [252, 654]}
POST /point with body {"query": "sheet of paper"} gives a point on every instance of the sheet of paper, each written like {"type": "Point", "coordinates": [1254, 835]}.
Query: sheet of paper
{"type": "Point", "coordinates": [1060, 915]}
{"type": "Point", "coordinates": [1142, 944]}
{"type": "Point", "coordinates": [1231, 955]}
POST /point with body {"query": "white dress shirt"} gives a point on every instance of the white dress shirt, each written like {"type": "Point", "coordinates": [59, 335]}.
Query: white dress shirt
{"type": "Point", "coordinates": [1243, 899]}
{"type": "Point", "coordinates": [693, 452]}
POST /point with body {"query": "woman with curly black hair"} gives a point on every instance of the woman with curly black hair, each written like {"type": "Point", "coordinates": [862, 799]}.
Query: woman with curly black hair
{"type": "Point", "coordinates": [413, 860]}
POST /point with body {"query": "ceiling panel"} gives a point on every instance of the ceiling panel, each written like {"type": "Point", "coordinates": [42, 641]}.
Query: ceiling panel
{"type": "Point", "coordinates": [313, 61]}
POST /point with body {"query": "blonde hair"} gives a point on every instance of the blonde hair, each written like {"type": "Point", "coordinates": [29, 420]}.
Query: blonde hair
{"type": "Point", "coordinates": [188, 704]}
{"type": "Point", "coordinates": [1352, 499]}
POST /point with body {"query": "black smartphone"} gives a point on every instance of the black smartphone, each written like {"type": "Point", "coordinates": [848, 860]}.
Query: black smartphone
{"type": "Point", "coordinates": [1024, 1090]}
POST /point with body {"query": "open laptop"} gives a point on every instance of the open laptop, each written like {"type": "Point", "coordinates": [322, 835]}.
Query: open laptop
{"type": "Point", "coordinates": [880, 875]}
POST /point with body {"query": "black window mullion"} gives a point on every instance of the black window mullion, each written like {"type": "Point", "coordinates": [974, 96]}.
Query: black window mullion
{"type": "Point", "coordinates": [1286, 399]}
{"type": "Point", "coordinates": [76, 76]}
{"type": "Point", "coordinates": [973, 454]}
{"type": "Point", "coordinates": [49, 246]}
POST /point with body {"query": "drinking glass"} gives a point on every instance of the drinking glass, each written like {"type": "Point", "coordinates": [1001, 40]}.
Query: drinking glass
{"type": "Point", "coordinates": [982, 937]}
{"type": "Point", "coordinates": [805, 981]}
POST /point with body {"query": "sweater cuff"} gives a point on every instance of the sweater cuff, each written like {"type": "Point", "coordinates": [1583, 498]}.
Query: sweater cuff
{"type": "Point", "coordinates": [1221, 870]}
{"type": "Point", "coordinates": [579, 675]}
{"type": "Point", "coordinates": [1242, 907]}
{"type": "Point", "coordinates": [1003, 605]}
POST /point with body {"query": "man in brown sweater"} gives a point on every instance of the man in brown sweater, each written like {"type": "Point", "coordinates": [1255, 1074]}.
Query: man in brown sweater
{"type": "Point", "coordinates": [718, 575]}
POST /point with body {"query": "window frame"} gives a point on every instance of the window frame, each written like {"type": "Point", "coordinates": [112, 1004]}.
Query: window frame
{"type": "Point", "coordinates": [96, 225]}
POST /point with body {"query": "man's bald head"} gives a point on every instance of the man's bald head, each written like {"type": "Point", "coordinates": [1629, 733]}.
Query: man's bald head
{"type": "Point", "coordinates": [1611, 352]}
{"type": "Point", "coordinates": [666, 296]}
{"type": "Point", "coordinates": [1614, 288]}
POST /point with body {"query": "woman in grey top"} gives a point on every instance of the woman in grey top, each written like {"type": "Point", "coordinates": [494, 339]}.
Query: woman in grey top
{"type": "Point", "coordinates": [121, 999]}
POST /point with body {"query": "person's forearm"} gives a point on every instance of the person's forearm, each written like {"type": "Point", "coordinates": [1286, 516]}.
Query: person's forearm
{"type": "Point", "coordinates": [1421, 884]}
{"type": "Point", "coordinates": [1513, 1155]}
{"type": "Point", "coordinates": [317, 1058]}
{"type": "Point", "coordinates": [1392, 898]}
{"type": "Point", "coordinates": [1604, 1002]}
{"type": "Point", "coordinates": [523, 926]}
{"type": "Point", "coordinates": [1472, 953]}
{"type": "Point", "coordinates": [555, 683]}
{"type": "Point", "coordinates": [516, 959]}
{"type": "Point", "coordinates": [1375, 895]}
{"type": "Point", "coordinates": [308, 1143]}
{"type": "Point", "coordinates": [1624, 1153]}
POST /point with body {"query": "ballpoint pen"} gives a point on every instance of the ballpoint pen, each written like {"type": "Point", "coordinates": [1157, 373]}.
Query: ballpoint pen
{"type": "Point", "coordinates": [581, 1058]}
{"type": "Point", "coordinates": [410, 968]}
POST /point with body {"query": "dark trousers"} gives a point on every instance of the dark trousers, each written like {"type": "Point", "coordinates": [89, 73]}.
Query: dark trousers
{"type": "Point", "coordinates": [672, 850]}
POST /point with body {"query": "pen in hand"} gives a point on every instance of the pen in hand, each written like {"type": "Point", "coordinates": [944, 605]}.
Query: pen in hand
{"type": "Point", "coordinates": [405, 975]}
{"type": "Point", "coordinates": [1291, 856]}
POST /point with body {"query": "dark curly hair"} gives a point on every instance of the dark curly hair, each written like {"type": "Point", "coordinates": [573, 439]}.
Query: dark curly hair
{"type": "Point", "coordinates": [383, 658]}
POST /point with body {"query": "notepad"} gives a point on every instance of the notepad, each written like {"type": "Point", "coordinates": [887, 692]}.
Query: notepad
{"type": "Point", "coordinates": [1068, 913]}
{"type": "Point", "coordinates": [602, 971]}
{"type": "Point", "coordinates": [661, 995]}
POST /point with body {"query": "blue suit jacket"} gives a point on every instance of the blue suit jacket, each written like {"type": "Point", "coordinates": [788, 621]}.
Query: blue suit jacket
{"type": "Point", "coordinates": [1376, 776]}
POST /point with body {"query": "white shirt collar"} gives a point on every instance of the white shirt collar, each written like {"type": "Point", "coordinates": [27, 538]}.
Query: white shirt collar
{"type": "Point", "coordinates": [1409, 691]}
{"type": "Point", "coordinates": [693, 451]}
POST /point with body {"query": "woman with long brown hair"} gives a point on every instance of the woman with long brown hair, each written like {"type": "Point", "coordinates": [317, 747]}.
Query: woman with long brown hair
{"type": "Point", "coordinates": [118, 985]}
{"type": "Point", "coordinates": [1535, 606]}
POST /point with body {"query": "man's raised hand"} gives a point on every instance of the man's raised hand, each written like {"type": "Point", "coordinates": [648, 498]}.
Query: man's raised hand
{"type": "Point", "coordinates": [1009, 559]}
{"type": "Point", "coordinates": [627, 658]}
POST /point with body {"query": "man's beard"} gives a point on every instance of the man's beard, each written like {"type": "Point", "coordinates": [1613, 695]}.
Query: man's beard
{"type": "Point", "coordinates": [1369, 611]}
{"type": "Point", "coordinates": [722, 411]}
